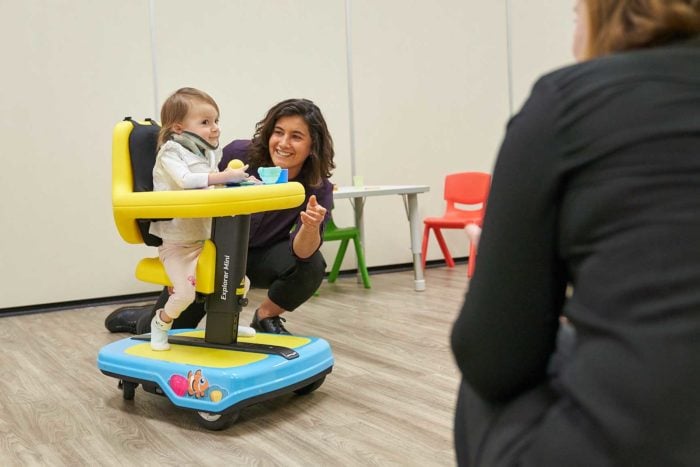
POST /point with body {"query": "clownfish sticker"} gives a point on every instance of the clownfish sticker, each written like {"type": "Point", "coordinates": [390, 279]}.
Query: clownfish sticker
{"type": "Point", "coordinates": [197, 384]}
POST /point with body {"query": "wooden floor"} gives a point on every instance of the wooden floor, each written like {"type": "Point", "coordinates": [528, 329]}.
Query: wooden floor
{"type": "Point", "coordinates": [389, 400]}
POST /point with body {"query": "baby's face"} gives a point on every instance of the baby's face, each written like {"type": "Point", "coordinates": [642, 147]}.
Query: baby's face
{"type": "Point", "coordinates": [203, 120]}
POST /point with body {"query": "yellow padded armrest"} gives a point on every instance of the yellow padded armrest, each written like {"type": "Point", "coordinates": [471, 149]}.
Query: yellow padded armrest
{"type": "Point", "coordinates": [128, 205]}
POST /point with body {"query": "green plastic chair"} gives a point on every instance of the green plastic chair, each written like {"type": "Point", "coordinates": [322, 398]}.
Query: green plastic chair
{"type": "Point", "coordinates": [344, 235]}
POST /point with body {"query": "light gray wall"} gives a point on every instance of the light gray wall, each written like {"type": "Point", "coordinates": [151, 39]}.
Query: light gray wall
{"type": "Point", "coordinates": [431, 87]}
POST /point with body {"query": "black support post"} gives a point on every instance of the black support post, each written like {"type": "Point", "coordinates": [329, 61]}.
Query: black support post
{"type": "Point", "coordinates": [230, 235]}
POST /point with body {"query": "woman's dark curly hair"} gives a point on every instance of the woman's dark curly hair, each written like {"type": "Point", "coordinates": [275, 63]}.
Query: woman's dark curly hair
{"type": "Point", "coordinates": [319, 164]}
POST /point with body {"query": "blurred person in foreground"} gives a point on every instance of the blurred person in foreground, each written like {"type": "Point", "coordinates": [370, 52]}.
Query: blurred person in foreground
{"type": "Point", "coordinates": [579, 337]}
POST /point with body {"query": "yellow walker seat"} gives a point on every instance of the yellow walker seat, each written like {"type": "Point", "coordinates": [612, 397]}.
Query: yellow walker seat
{"type": "Point", "coordinates": [213, 372]}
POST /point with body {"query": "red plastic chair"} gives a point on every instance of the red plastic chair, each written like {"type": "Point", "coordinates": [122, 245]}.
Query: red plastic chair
{"type": "Point", "coordinates": [465, 188]}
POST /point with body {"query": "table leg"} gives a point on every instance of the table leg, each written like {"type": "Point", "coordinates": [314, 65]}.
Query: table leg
{"type": "Point", "coordinates": [415, 241]}
{"type": "Point", "coordinates": [358, 206]}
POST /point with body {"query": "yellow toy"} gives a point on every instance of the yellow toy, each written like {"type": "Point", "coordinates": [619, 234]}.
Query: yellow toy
{"type": "Point", "coordinates": [235, 164]}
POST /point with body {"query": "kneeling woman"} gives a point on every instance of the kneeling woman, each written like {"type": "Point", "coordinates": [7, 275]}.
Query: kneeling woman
{"type": "Point", "coordinates": [283, 250]}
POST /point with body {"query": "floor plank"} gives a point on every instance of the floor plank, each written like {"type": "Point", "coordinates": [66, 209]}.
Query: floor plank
{"type": "Point", "coordinates": [389, 400]}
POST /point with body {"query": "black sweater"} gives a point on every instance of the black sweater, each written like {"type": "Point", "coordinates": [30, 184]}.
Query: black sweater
{"type": "Point", "coordinates": [597, 185]}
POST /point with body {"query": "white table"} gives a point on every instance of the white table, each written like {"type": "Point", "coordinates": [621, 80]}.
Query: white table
{"type": "Point", "coordinates": [409, 193]}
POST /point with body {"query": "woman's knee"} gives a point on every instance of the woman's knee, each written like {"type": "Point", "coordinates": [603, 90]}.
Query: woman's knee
{"type": "Point", "coordinates": [298, 283]}
{"type": "Point", "coordinates": [312, 270]}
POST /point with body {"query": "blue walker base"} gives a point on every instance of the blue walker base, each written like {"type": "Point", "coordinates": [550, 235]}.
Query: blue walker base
{"type": "Point", "coordinates": [218, 381]}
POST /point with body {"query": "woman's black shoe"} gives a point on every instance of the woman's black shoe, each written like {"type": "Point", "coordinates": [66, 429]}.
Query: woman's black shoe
{"type": "Point", "coordinates": [270, 325]}
{"type": "Point", "coordinates": [130, 319]}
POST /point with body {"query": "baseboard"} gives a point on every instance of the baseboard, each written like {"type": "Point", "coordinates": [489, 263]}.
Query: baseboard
{"type": "Point", "coordinates": [436, 263]}
{"type": "Point", "coordinates": [140, 297]}
{"type": "Point", "coordinates": [73, 304]}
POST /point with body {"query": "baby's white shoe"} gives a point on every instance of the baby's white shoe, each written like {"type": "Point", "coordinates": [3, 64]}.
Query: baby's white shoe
{"type": "Point", "coordinates": [159, 332]}
{"type": "Point", "coordinates": [246, 331]}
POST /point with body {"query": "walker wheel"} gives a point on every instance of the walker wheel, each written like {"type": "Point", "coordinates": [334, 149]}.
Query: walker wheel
{"type": "Point", "coordinates": [309, 388]}
{"type": "Point", "coordinates": [217, 421]}
{"type": "Point", "coordinates": [128, 388]}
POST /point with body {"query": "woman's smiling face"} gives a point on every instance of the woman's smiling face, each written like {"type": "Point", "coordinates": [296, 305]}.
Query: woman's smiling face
{"type": "Point", "coordinates": [290, 144]}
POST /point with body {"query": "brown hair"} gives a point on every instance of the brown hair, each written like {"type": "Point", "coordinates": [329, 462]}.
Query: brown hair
{"type": "Point", "coordinates": [175, 108]}
{"type": "Point", "coordinates": [320, 163]}
{"type": "Point", "coordinates": [618, 25]}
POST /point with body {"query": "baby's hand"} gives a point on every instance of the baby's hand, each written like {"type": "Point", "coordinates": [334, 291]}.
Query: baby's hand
{"type": "Point", "coordinates": [236, 175]}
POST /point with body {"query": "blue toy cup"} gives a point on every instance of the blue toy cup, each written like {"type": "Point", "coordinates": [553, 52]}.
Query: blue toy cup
{"type": "Point", "coordinates": [269, 175]}
{"type": "Point", "coordinates": [284, 176]}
